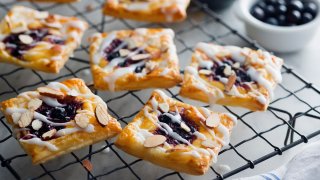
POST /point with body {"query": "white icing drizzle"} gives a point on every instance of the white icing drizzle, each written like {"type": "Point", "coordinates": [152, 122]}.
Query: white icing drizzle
{"type": "Point", "coordinates": [53, 102]}
{"type": "Point", "coordinates": [112, 78]}
{"type": "Point", "coordinates": [256, 76]}
{"type": "Point", "coordinates": [66, 131]}
{"type": "Point", "coordinates": [165, 72]}
{"type": "Point", "coordinates": [39, 142]}
{"type": "Point", "coordinates": [45, 119]}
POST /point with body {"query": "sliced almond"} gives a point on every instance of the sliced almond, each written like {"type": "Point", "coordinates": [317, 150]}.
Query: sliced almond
{"type": "Point", "coordinates": [25, 39]}
{"type": "Point", "coordinates": [150, 65]}
{"type": "Point", "coordinates": [16, 117]}
{"type": "Point", "coordinates": [205, 72]}
{"type": "Point", "coordinates": [231, 80]}
{"type": "Point", "coordinates": [154, 141]}
{"type": "Point", "coordinates": [139, 57]}
{"type": "Point", "coordinates": [49, 92]}
{"type": "Point", "coordinates": [2, 46]}
{"type": "Point", "coordinates": [185, 127]}
{"type": "Point", "coordinates": [213, 120]}
{"type": "Point", "coordinates": [87, 164]}
{"type": "Point", "coordinates": [42, 15]}
{"type": "Point", "coordinates": [36, 124]}
{"type": "Point", "coordinates": [82, 120]}
{"type": "Point", "coordinates": [236, 65]}
{"type": "Point", "coordinates": [25, 119]}
{"type": "Point", "coordinates": [56, 25]}
{"type": "Point", "coordinates": [227, 71]}
{"type": "Point", "coordinates": [164, 107]}
{"type": "Point", "coordinates": [49, 134]}
{"type": "Point", "coordinates": [34, 104]}
{"type": "Point", "coordinates": [209, 143]}
{"type": "Point", "coordinates": [102, 114]}
{"type": "Point", "coordinates": [124, 52]}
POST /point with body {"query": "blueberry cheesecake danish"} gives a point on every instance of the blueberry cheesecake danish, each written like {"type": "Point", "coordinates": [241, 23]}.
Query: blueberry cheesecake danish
{"type": "Point", "coordinates": [148, 10]}
{"type": "Point", "coordinates": [175, 135]}
{"type": "Point", "coordinates": [58, 118]}
{"type": "Point", "coordinates": [134, 59]}
{"type": "Point", "coordinates": [39, 40]}
{"type": "Point", "coordinates": [232, 76]}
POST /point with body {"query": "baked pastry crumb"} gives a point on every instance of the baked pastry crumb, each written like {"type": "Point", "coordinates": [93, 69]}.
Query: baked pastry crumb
{"type": "Point", "coordinates": [48, 125]}
{"type": "Point", "coordinates": [134, 59]}
{"type": "Point", "coordinates": [176, 135]}
{"type": "Point", "coordinates": [39, 40]}
{"type": "Point", "coordinates": [232, 76]}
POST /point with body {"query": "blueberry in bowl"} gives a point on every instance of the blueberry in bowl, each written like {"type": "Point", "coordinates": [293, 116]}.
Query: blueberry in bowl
{"type": "Point", "coordinates": [285, 12]}
{"type": "Point", "coordinates": [280, 25]}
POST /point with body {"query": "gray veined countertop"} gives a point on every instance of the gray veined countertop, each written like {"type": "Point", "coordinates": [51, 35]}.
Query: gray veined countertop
{"type": "Point", "coordinates": [306, 62]}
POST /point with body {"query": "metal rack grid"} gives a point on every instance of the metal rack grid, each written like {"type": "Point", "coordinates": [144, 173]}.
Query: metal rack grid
{"type": "Point", "coordinates": [199, 21]}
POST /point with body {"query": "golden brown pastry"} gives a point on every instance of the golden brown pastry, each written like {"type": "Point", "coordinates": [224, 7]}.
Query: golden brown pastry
{"type": "Point", "coordinates": [232, 76]}
{"type": "Point", "coordinates": [134, 59]}
{"type": "Point", "coordinates": [59, 118]}
{"type": "Point", "coordinates": [39, 40]}
{"type": "Point", "coordinates": [148, 10]}
{"type": "Point", "coordinates": [175, 135]}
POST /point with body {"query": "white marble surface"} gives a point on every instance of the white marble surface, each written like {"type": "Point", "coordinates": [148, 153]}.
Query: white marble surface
{"type": "Point", "coordinates": [305, 62]}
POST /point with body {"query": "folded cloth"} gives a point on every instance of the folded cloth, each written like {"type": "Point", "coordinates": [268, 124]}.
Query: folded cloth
{"type": "Point", "coordinates": [304, 165]}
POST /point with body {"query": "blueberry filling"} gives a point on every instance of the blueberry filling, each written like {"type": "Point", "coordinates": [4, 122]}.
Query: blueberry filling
{"type": "Point", "coordinates": [219, 71]}
{"type": "Point", "coordinates": [55, 114]}
{"type": "Point", "coordinates": [17, 48]}
{"type": "Point", "coordinates": [176, 127]}
{"type": "Point", "coordinates": [113, 51]}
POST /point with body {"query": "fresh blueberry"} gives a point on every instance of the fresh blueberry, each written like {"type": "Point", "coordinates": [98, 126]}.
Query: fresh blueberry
{"type": "Point", "coordinates": [272, 21]}
{"type": "Point", "coordinates": [281, 9]}
{"type": "Point", "coordinates": [281, 2]}
{"type": "Point", "coordinates": [270, 10]}
{"type": "Point", "coordinates": [139, 69]}
{"type": "Point", "coordinates": [306, 17]}
{"type": "Point", "coordinates": [258, 13]}
{"type": "Point", "coordinates": [262, 4]}
{"type": "Point", "coordinates": [294, 16]}
{"type": "Point", "coordinates": [296, 5]}
{"type": "Point", "coordinates": [282, 20]}
{"type": "Point", "coordinates": [271, 2]}
{"type": "Point", "coordinates": [311, 7]}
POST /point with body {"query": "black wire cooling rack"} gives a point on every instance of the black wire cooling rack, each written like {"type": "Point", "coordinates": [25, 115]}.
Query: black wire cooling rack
{"type": "Point", "coordinates": [281, 127]}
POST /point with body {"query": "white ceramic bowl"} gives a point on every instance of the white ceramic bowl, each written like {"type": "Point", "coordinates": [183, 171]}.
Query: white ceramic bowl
{"type": "Point", "coordinates": [277, 38]}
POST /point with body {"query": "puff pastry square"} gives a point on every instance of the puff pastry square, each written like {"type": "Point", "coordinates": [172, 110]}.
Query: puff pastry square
{"type": "Point", "coordinates": [175, 135]}
{"type": "Point", "coordinates": [232, 76]}
{"type": "Point", "coordinates": [148, 10]}
{"type": "Point", "coordinates": [134, 59]}
{"type": "Point", "coordinates": [59, 118]}
{"type": "Point", "coordinates": [39, 40]}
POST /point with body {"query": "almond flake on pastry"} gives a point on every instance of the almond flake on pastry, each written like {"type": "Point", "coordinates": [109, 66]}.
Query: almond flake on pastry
{"type": "Point", "coordinates": [178, 139]}
{"type": "Point", "coordinates": [48, 126]}
{"type": "Point", "coordinates": [230, 75]}
{"type": "Point", "coordinates": [39, 40]}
